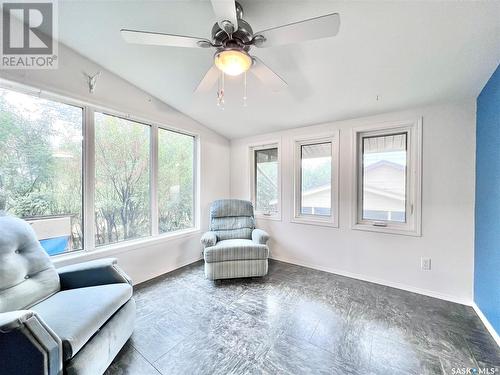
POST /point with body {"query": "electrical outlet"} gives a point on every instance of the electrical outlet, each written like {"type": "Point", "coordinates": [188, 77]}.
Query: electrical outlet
{"type": "Point", "coordinates": [425, 264]}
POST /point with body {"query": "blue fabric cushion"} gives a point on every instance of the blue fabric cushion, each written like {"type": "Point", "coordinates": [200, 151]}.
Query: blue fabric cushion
{"type": "Point", "coordinates": [235, 250]}
{"type": "Point", "coordinates": [75, 315]}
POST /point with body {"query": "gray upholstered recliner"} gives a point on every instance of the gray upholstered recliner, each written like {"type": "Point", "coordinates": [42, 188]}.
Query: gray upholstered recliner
{"type": "Point", "coordinates": [233, 248]}
{"type": "Point", "coordinates": [71, 320]}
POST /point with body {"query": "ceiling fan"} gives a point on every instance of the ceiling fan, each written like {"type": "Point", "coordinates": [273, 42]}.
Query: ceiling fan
{"type": "Point", "coordinates": [233, 37]}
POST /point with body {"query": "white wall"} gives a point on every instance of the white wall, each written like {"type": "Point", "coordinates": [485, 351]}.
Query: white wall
{"type": "Point", "coordinates": [394, 260]}
{"type": "Point", "coordinates": [141, 261]}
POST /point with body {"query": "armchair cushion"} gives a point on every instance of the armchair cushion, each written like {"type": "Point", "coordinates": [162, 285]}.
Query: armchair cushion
{"type": "Point", "coordinates": [241, 249]}
{"type": "Point", "coordinates": [231, 207]}
{"type": "Point", "coordinates": [232, 227]}
{"type": "Point", "coordinates": [92, 273]}
{"type": "Point", "coordinates": [76, 315]}
{"type": "Point", "coordinates": [232, 219]}
{"type": "Point", "coordinates": [27, 275]}
{"type": "Point", "coordinates": [209, 239]}
{"type": "Point", "coordinates": [259, 236]}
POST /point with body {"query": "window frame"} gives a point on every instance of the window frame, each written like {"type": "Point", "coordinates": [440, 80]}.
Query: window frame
{"type": "Point", "coordinates": [253, 179]}
{"type": "Point", "coordinates": [412, 225]}
{"type": "Point", "coordinates": [49, 96]}
{"type": "Point", "coordinates": [296, 215]}
{"type": "Point", "coordinates": [153, 207]}
{"type": "Point", "coordinates": [88, 172]}
{"type": "Point", "coordinates": [155, 172]}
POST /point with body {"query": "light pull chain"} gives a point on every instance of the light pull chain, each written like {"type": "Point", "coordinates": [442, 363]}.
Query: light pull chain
{"type": "Point", "coordinates": [220, 92]}
{"type": "Point", "coordinates": [245, 89]}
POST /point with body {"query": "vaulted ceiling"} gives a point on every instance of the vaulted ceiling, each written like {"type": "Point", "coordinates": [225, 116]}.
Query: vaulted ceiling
{"type": "Point", "coordinates": [387, 56]}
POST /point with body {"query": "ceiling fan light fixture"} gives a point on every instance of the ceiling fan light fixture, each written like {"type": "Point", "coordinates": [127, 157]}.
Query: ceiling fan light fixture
{"type": "Point", "coordinates": [233, 62]}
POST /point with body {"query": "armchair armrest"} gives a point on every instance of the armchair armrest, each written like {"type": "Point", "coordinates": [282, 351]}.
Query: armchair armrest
{"type": "Point", "coordinates": [92, 273]}
{"type": "Point", "coordinates": [208, 239]}
{"type": "Point", "coordinates": [259, 236]}
{"type": "Point", "coordinates": [27, 345]}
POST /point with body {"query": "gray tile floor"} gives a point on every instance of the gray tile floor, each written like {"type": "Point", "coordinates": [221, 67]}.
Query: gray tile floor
{"type": "Point", "coordinates": [297, 321]}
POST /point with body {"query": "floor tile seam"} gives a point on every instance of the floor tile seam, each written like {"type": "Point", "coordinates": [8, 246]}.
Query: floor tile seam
{"type": "Point", "coordinates": [235, 350]}
{"type": "Point", "coordinates": [143, 357]}
{"type": "Point", "coordinates": [470, 352]}
{"type": "Point", "coordinates": [164, 354]}
{"type": "Point", "coordinates": [442, 354]}
{"type": "Point", "coordinates": [219, 299]}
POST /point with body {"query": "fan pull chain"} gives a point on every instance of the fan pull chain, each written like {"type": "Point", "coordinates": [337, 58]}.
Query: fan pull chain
{"type": "Point", "coordinates": [245, 89]}
{"type": "Point", "coordinates": [220, 92]}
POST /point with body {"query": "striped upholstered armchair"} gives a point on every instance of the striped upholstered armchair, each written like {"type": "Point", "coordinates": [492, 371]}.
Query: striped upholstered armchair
{"type": "Point", "coordinates": [233, 247]}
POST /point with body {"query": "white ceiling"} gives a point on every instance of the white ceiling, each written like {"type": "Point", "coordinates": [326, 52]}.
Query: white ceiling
{"type": "Point", "coordinates": [406, 53]}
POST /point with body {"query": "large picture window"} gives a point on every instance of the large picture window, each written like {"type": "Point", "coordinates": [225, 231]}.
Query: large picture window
{"type": "Point", "coordinates": [122, 170]}
{"type": "Point", "coordinates": [41, 167]}
{"type": "Point", "coordinates": [175, 181]}
{"type": "Point", "coordinates": [266, 180]}
{"type": "Point", "coordinates": [388, 179]}
{"type": "Point", "coordinates": [84, 178]}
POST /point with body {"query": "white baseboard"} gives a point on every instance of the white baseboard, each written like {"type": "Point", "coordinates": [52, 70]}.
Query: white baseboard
{"type": "Point", "coordinates": [391, 284]}
{"type": "Point", "coordinates": [486, 323]}
{"type": "Point", "coordinates": [170, 269]}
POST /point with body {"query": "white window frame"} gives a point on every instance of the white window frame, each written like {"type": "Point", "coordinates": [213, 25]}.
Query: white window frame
{"type": "Point", "coordinates": [154, 177]}
{"type": "Point", "coordinates": [296, 215]}
{"type": "Point", "coordinates": [88, 174]}
{"type": "Point", "coordinates": [413, 224]}
{"type": "Point", "coordinates": [253, 188]}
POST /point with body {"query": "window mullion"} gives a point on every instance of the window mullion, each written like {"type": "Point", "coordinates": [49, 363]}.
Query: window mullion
{"type": "Point", "coordinates": [154, 181]}
{"type": "Point", "coordinates": [89, 179]}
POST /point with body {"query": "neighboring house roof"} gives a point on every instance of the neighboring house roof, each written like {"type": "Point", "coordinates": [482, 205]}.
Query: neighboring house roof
{"type": "Point", "coordinates": [389, 194]}
{"type": "Point", "coordinates": [368, 187]}
{"type": "Point", "coordinates": [316, 190]}
{"type": "Point", "coordinates": [384, 163]}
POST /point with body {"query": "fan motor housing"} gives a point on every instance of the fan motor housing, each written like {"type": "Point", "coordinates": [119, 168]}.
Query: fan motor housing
{"type": "Point", "coordinates": [243, 35]}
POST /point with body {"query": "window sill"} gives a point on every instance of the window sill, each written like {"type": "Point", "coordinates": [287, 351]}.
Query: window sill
{"type": "Point", "coordinates": [314, 221]}
{"type": "Point", "coordinates": [387, 230]}
{"type": "Point", "coordinates": [120, 247]}
{"type": "Point", "coordinates": [276, 217]}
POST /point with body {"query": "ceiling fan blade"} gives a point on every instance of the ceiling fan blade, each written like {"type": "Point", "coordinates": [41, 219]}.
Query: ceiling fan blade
{"type": "Point", "coordinates": [225, 10]}
{"type": "Point", "coordinates": [160, 39]}
{"type": "Point", "coordinates": [313, 28]}
{"type": "Point", "coordinates": [267, 76]}
{"type": "Point", "coordinates": [208, 81]}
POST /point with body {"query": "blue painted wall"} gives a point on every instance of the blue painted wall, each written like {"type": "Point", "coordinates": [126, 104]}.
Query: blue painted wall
{"type": "Point", "coordinates": [487, 236]}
